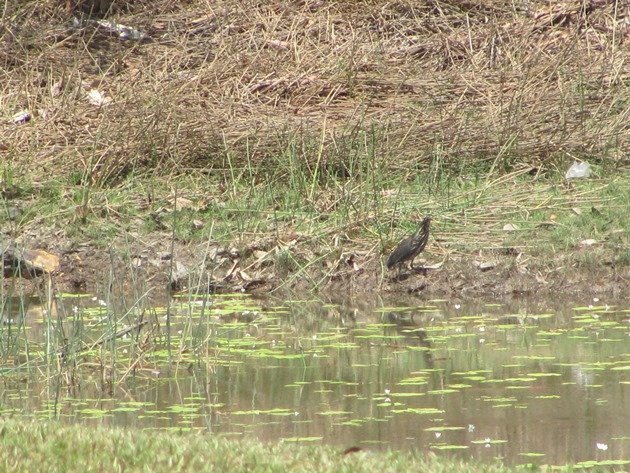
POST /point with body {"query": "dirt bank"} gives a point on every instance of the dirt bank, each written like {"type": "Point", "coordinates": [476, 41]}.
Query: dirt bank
{"type": "Point", "coordinates": [207, 267]}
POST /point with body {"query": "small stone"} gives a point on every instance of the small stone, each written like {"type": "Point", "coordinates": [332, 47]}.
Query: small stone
{"type": "Point", "coordinates": [197, 224]}
{"type": "Point", "coordinates": [30, 262]}
{"type": "Point", "coordinates": [486, 265]}
{"type": "Point", "coordinates": [13, 212]}
{"type": "Point", "coordinates": [433, 266]}
{"type": "Point", "coordinates": [179, 276]}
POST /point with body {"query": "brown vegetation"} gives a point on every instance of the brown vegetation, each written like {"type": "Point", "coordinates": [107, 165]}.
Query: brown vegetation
{"type": "Point", "coordinates": [435, 81]}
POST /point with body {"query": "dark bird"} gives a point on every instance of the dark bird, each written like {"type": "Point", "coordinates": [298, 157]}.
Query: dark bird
{"type": "Point", "coordinates": [411, 246]}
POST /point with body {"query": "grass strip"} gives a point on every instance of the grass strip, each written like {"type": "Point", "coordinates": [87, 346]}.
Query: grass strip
{"type": "Point", "coordinates": [51, 447]}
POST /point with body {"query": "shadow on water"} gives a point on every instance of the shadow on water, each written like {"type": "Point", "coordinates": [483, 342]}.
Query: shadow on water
{"type": "Point", "coordinates": [517, 381]}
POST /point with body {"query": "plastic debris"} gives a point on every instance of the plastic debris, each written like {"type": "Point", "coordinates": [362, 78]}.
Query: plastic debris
{"type": "Point", "coordinates": [22, 117]}
{"type": "Point", "coordinates": [578, 171]}
{"type": "Point", "coordinates": [123, 31]}
{"type": "Point", "coordinates": [97, 98]}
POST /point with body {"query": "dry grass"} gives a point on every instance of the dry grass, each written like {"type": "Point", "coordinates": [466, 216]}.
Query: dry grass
{"type": "Point", "coordinates": [443, 82]}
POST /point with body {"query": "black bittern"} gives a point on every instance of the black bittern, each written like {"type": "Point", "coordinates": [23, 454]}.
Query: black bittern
{"type": "Point", "coordinates": [410, 247]}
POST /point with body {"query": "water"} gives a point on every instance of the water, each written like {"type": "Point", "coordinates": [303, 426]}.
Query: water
{"type": "Point", "coordinates": [479, 381]}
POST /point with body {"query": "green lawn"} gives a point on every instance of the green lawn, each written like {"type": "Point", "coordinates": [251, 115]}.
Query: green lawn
{"type": "Point", "coordinates": [32, 447]}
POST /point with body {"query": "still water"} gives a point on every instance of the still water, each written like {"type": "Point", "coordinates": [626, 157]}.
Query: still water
{"type": "Point", "coordinates": [515, 381]}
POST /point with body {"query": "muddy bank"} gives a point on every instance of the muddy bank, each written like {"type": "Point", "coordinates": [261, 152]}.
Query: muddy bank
{"type": "Point", "coordinates": [159, 266]}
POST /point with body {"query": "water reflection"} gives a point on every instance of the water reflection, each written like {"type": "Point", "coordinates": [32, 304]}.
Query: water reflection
{"type": "Point", "coordinates": [483, 381]}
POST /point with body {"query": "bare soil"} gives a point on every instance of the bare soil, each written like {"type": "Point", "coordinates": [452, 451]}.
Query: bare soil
{"type": "Point", "coordinates": [149, 267]}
